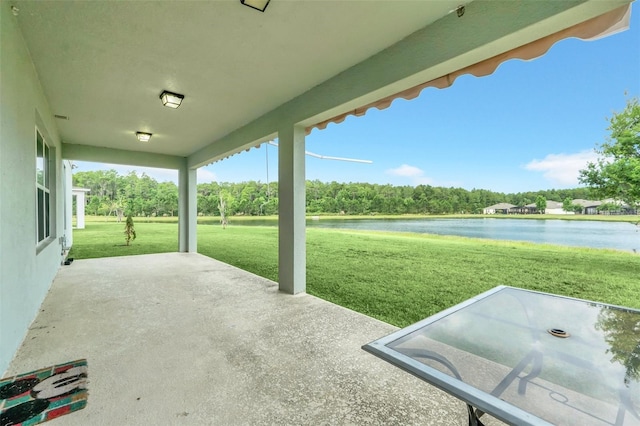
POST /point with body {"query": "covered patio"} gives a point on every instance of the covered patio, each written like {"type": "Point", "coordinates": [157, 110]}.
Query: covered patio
{"type": "Point", "coordinates": [180, 338]}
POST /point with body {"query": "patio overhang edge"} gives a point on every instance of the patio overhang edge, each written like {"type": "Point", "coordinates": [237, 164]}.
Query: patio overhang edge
{"type": "Point", "coordinates": [419, 58]}
{"type": "Point", "coordinates": [119, 156]}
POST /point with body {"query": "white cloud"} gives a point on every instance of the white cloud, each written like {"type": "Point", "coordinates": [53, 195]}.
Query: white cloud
{"type": "Point", "coordinates": [562, 169]}
{"type": "Point", "coordinates": [206, 176]}
{"type": "Point", "coordinates": [414, 173]}
{"type": "Point", "coordinates": [406, 171]}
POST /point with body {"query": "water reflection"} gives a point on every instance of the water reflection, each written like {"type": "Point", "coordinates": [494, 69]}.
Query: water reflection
{"type": "Point", "coordinates": [622, 333]}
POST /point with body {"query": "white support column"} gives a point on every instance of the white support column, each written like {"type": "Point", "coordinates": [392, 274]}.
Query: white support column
{"type": "Point", "coordinates": [79, 193]}
{"type": "Point", "coordinates": [187, 209]}
{"type": "Point", "coordinates": [80, 202]}
{"type": "Point", "coordinates": [292, 251]}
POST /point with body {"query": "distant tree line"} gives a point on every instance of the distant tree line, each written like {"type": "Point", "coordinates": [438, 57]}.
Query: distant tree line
{"type": "Point", "coordinates": [111, 193]}
{"type": "Point", "coordinates": [141, 195]}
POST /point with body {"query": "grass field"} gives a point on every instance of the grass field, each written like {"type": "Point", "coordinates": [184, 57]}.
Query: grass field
{"type": "Point", "coordinates": [397, 278]}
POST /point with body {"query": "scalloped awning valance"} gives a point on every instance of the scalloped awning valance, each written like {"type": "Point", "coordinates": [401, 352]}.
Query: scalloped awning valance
{"type": "Point", "coordinates": [610, 23]}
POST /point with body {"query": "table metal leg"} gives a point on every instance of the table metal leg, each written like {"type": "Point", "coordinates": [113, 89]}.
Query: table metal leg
{"type": "Point", "coordinates": [536, 368]}
{"type": "Point", "coordinates": [474, 419]}
{"type": "Point", "coordinates": [474, 414]}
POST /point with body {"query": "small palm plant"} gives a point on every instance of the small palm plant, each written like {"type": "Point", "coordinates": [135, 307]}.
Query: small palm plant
{"type": "Point", "coordinates": [129, 231]}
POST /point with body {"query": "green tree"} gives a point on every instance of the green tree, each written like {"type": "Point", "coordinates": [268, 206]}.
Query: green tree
{"type": "Point", "coordinates": [166, 200]}
{"type": "Point", "coordinates": [620, 330]}
{"type": "Point", "coordinates": [568, 206]}
{"type": "Point", "coordinates": [616, 173]}
{"type": "Point", "coordinates": [140, 195]}
{"type": "Point", "coordinates": [608, 207]}
{"type": "Point", "coordinates": [541, 204]}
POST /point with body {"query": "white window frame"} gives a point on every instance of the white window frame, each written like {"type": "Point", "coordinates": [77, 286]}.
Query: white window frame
{"type": "Point", "coordinates": [43, 189]}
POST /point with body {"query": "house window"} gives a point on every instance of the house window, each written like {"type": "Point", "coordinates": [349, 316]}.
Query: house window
{"type": "Point", "coordinates": [43, 193]}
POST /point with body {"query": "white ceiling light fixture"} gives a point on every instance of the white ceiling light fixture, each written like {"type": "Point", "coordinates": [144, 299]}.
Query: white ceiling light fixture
{"type": "Point", "coordinates": [143, 136]}
{"type": "Point", "coordinates": [171, 100]}
{"type": "Point", "coordinates": [260, 5]}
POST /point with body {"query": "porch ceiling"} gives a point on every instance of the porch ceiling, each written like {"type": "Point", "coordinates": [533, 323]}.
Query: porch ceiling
{"type": "Point", "coordinates": [103, 64]}
{"type": "Point", "coordinates": [244, 73]}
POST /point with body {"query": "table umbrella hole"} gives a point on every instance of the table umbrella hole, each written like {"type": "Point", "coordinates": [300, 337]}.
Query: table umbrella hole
{"type": "Point", "coordinates": [558, 332]}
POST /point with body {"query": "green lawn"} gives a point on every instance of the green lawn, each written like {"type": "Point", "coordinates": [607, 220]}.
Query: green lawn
{"type": "Point", "coordinates": [397, 278]}
{"type": "Point", "coordinates": [105, 239]}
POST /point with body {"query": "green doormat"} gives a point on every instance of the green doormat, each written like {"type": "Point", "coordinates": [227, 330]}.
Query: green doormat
{"type": "Point", "coordinates": [42, 395]}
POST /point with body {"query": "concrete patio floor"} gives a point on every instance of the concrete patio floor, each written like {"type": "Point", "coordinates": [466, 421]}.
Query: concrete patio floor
{"type": "Point", "coordinates": [181, 338]}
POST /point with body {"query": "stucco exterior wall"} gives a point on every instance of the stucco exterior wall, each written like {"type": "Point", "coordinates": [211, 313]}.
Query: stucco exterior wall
{"type": "Point", "coordinates": [26, 271]}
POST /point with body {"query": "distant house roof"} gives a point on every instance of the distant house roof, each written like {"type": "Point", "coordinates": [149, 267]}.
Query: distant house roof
{"type": "Point", "coordinates": [586, 203]}
{"type": "Point", "coordinates": [500, 206]}
{"type": "Point", "coordinates": [553, 205]}
{"type": "Point", "coordinates": [550, 205]}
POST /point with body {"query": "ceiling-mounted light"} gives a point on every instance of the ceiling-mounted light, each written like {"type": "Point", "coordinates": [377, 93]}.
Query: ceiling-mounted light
{"type": "Point", "coordinates": [143, 136]}
{"type": "Point", "coordinates": [260, 5]}
{"type": "Point", "coordinates": [171, 100]}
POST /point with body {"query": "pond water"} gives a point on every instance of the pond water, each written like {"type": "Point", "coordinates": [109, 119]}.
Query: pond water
{"type": "Point", "coordinates": [594, 234]}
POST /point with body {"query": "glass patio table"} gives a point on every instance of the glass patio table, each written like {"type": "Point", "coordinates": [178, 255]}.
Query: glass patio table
{"type": "Point", "coordinates": [527, 358]}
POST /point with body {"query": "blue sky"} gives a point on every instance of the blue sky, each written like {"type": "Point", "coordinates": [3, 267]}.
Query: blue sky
{"type": "Point", "coordinates": [529, 126]}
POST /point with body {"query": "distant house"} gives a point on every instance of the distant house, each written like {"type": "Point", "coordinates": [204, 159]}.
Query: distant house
{"type": "Point", "coordinates": [588, 206]}
{"type": "Point", "coordinates": [500, 208]}
{"type": "Point", "coordinates": [518, 210]}
{"type": "Point", "coordinates": [622, 207]}
{"type": "Point", "coordinates": [554, 207]}
{"type": "Point", "coordinates": [528, 209]}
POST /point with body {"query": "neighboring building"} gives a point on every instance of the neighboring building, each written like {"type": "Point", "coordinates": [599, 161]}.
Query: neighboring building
{"type": "Point", "coordinates": [588, 206]}
{"type": "Point", "coordinates": [500, 208]}
{"type": "Point", "coordinates": [526, 209]}
{"type": "Point", "coordinates": [554, 207]}
{"type": "Point", "coordinates": [595, 207]}
{"type": "Point", "coordinates": [519, 210]}
{"type": "Point", "coordinates": [622, 208]}
{"type": "Point", "coordinates": [530, 209]}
